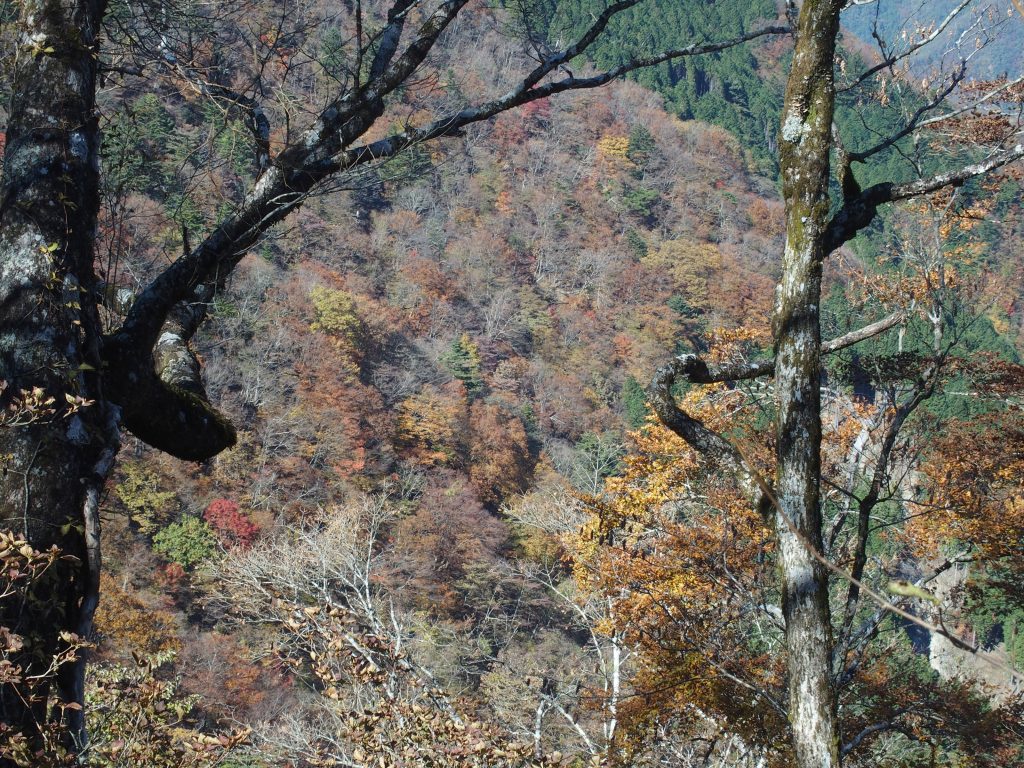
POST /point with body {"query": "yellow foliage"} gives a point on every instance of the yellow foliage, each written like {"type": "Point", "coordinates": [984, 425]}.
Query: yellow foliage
{"type": "Point", "coordinates": [148, 506]}
{"type": "Point", "coordinates": [614, 147]}
{"type": "Point", "coordinates": [335, 315]}
{"type": "Point", "coordinates": [430, 424]}
{"type": "Point", "coordinates": [689, 264]}
{"type": "Point", "coordinates": [678, 552]}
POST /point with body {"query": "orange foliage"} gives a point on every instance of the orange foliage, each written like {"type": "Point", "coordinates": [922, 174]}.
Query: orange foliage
{"type": "Point", "coordinates": [436, 546]}
{"type": "Point", "coordinates": [127, 624]}
{"type": "Point", "coordinates": [974, 489]}
{"type": "Point", "coordinates": [431, 424]}
{"type": "Point", "coordinates": [499, 457]}
{"type": "Point", "coordinates": [682, 556]}
{"type": "Point", "coordinates": [767, 217]}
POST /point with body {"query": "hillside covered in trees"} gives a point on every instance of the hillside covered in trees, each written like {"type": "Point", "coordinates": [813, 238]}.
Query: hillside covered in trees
{"type": "Point", "coordinates": [454, 526]}
{"type": "Point", "coordinates": [997, 52]}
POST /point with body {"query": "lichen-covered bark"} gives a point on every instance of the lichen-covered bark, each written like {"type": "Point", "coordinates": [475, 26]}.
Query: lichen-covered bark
{"type": "Point", "coordinates": [804, 160]}
{"type": "Point", "coordinates": [48, 323]}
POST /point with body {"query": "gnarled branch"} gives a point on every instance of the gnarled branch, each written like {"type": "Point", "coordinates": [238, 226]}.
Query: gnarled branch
{"type": "Point", "coordinates": [709, 444]}
{"type": "Point", "coordinates": [860, 211]}
{"type": "Point", "coordinates": [151, 346]}
{"type": "Point", "coordinates": [162, 401]}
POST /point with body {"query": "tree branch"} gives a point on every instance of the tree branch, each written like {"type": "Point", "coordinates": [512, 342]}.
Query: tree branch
{"type": "Point", "coordinates": [708, 443]}
{"type": "Point", "coordinates": [698, 372]}
{"type": "Point", "coordinates": [866, 505]}
{"type": "Point", "coordinates": [167, 312]}
{"type": "Point", "coordinates": [914, 122]}
{"type": "Point", "coordinates": [278, 191]}
{"type": "Point", "coordinates": [255, 118]}
{"type": "Point", "coordinates": [885, 725]}
{"type": "Point", "coordinates": [389, 38]}
{"type": "Point", "coordinates": [880, 600]}
{"type": "Point", "coordinates": [160, 403]}
{"type": "Point", "coordinates": [711, 446]}
{"type": "Point", "coordinates": [986, 97]}
{"type": "Point", "coordinates": [860, 211]}
{"type": "Point", "coordinates": [890, 59]}
{"type": "Point", "coordinates": [862, 334]}
{"type": "Point", "coordinates": [526, 91]}
{"type": "Point", "coordinates": [301, 166]}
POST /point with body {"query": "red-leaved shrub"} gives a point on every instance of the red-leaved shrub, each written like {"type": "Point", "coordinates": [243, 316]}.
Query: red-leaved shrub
{"type": "Point", "coordinates": [232, 526]}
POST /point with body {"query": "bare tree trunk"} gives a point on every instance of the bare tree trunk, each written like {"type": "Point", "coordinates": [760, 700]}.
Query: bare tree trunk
{"type": "Point", "coordinates": [804, 159]}
{"type": "Point", "coordinates": [49, 329]}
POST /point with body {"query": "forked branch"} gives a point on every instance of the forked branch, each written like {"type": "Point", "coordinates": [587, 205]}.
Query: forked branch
{"type": "Point", "coordinates": [710, 445]}
{"type": "Point", "coordinates": [174, 304]}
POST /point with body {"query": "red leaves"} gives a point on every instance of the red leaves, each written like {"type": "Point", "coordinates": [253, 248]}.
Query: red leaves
{"type": "Point", "coordinates": [232, 526]}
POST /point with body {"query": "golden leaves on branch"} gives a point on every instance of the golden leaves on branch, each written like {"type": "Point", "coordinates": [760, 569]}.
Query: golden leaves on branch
{"type": "Point", "coordinates": [681, 556]}
{"type": "Point", "coordinates": [974, 488]}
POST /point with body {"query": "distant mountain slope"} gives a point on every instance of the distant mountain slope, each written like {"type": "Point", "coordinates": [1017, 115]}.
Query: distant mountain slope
{"type": "Point", "coordinates": [996, 26]}
{"type": "Point", "coordinates": [739, 89]}
{"type": "Point", "coordinates": [732, 89]}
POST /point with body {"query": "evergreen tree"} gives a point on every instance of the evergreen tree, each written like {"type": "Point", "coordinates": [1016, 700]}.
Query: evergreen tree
{"type": "Point", "coordinates": [634, 402]}
{"type": "Point", "coordinates": [463, 361]}
{"type": "Point", "coordinates": [641, 145]}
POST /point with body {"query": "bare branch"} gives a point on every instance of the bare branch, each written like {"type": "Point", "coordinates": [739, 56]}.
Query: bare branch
{"type": "Point", "coordinates": [279, 191]}
{"type": "Point", "coordinates": [866, 505]}
{"type": "Point", "coordinates": [389, 37]}
{"type": "Point", "coordinates": [914, 122]}
{"type": "Point", "coordinates": [862, 334]}
{"type": "Point", "coordinates": [255, 118]}
{"type": "Point", "coordinates": [698, 372]}
{"type": "Point", "coordinates": [187, 286]}
{"type": "Point", "coordinates": [991, 95]}
{"type": "Point", "coordinates": [885, 725]}
{"type": "Point", "coordinates": [708, 443]}
{"type": "Point", "coordinates": [891, 59]}
{"type": "Point", "coordinates": [525, 92]}
{"type": "Point", "coordinates": [711, 446]}
{"type": "Point", "coordinates": [880, 600]}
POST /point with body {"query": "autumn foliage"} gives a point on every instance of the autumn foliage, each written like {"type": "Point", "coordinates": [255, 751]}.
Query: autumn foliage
{"type": "Point", "coordinates": [469, 329]}
{"type": "Point", "coordinates": [232, 526]}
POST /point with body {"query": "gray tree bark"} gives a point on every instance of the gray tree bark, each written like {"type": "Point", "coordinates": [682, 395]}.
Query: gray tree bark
{"type": "Point", "coordinates": [49, 328]}
{"type": "Point", "coordinates": [804, 151]}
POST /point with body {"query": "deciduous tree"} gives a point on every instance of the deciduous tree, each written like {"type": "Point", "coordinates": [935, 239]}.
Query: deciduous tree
{"type": "Point", "coordinates": [825, 207]}
{"type": "Point", "coordinates": [139, 372]}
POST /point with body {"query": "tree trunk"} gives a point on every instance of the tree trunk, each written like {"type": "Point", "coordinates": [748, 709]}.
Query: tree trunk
{"type": "Point", "coordinates": [804, 160]}
{"type": "Point", "coordinates": [49, 328]}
